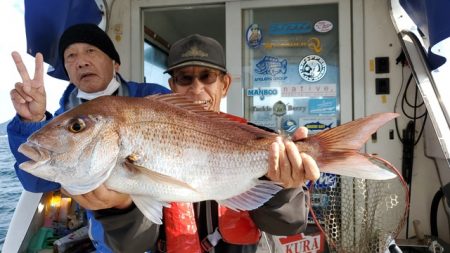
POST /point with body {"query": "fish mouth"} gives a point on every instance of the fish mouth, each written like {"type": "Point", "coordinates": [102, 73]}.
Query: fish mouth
{"type": "Point", "coordinates": [37, 155]}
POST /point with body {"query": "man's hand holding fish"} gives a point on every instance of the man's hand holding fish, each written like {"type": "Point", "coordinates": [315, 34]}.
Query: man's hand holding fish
{"type": "Point", "coordinates": [102, 198]}
{"type": "Point", "coordinates": [287, 167]}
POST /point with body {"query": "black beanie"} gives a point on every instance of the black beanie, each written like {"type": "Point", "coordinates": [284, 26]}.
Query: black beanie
{"type": "Point", "coordinates": [90, 34]}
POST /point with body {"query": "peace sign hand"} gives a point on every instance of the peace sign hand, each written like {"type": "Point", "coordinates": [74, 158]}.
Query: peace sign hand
{"type": "Point", "coordinates": [28, 97]}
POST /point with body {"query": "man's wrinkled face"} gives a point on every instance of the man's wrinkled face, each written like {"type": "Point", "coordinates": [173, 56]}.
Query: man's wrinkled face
{"type": "Point", "coordinates": [206, 86]}
{"type": "Point", "coordinates": [88, 67]}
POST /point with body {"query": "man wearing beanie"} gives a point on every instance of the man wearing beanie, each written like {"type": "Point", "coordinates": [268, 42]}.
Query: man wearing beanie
{"type": "Point", "coordinates": [92, 64]}
{"type": "Point", "coordinates": [197, 66]}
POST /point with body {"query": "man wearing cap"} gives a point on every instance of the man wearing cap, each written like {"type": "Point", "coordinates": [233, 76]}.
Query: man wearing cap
{"type": "Point", "coordinates": [197, 66]}
{"type": "Point", "coordinates": [91, 63]}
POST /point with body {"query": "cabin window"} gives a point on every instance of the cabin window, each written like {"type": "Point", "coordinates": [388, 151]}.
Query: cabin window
{"type": "Point", "coordinates": [155, 63]}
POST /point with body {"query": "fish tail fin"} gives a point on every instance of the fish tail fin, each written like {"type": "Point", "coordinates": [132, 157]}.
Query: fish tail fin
{"type": "Point", "coordinates": [336, 150]}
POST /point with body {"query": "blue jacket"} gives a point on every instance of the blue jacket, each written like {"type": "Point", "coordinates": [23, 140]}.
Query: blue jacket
{"type": "Point", "coordinates": [19, 131]}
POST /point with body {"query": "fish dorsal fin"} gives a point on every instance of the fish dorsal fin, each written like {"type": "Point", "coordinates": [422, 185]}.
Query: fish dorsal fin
{"type": "Point", "coordinates": [253, 198]}
{"type": "Point", "coordinates": [185, 103]}
{"type": "Point", "coordinates": [180, 101]}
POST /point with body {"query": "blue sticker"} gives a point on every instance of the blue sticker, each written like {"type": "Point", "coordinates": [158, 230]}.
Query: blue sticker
{"type": "Point", "coordinates": [262, 92]}
{"type": "Point", "coordinates": [290, 28]}
{"type": "Point", "coordinates": [322, 106]}
{"type": "Point", "coordinates": [270, 65]}
{"type": "Point", "coordinates": [325, 181]}
{"type": "Point", "coordinates": [254, 36]}
{"type": "Point", "coordinates": [289, 126]}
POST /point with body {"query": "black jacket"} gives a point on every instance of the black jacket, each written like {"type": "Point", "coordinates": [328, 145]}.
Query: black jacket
{"type": "Point", "coordinates": [129, 231]}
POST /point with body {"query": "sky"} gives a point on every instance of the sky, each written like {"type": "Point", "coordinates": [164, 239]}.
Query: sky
{"type": "Point", "coordinates": [13, 39]}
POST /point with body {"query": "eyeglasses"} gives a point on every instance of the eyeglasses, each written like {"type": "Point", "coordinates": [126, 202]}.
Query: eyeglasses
{"type": "Point", "coordinates": [206, 77]}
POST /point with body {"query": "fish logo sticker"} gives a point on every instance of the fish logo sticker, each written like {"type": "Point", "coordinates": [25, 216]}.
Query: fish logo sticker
{"type": "Point", "coordinates": [270, 65]}
{"type": "Point", "coordinates": [254, 36]}
{"type": "Point", "coordinates": [318, 126]}
{"type": "Point", "coordinates": [323, 26]}
{"type": "Point", "coordinates": [312, 68]}
{"type": "Point", "coordinates": [289, 126]}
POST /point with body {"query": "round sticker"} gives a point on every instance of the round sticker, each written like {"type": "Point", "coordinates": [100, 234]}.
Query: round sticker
{"type": "Point", "coordinates": [312, 68]}
{"type": "Point", "coordinates": [289, 125]}
{"type": "Point", "coordinates": [279, 109]}
{"type": "Point", "coordinates": [254, 36]}
{"type": "Point", "coordinates": [323, 26]}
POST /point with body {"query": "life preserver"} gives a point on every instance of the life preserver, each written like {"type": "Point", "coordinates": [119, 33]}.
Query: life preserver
{"type": "Point", "coordinates": [237, 227]}
{"type": "Point", "coordinates": [182, 234]}
{"type": "Point", "coordinates": [181, 229]}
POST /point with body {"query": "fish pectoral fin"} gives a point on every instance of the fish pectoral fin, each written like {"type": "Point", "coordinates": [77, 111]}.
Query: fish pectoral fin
{"type": "Point", "coordinates": [357, 165]}
{"type": "Point", "coordinates": [151, 208]}
{"type": "Point", "coordinates": [253, 198]}
{"type": "Point", "coordinates": [158, 177]}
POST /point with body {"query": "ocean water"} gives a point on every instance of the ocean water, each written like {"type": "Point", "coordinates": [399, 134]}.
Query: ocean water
{"type": "Point", "coordinates": [10, 188]}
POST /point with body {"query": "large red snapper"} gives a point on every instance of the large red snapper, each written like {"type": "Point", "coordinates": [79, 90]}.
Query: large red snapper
{"type": "Point", "coordinates": [165, 149]}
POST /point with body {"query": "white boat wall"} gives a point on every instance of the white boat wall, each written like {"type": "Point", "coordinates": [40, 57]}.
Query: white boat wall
{"type": "Point", "coordinates": [26, 220]}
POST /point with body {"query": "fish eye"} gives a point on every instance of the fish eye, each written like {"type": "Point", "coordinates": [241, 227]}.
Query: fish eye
{"type": "Point", "coordinates": [77, 125]}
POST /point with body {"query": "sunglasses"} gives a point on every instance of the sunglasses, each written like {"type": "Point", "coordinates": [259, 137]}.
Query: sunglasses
{"type": "Point", "coordinates": [206, 77]}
